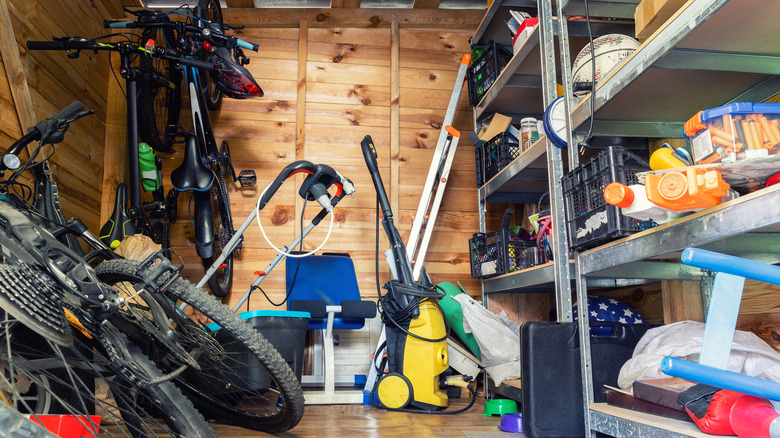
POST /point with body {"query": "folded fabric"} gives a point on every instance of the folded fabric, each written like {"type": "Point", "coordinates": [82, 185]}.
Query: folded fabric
{"type": "Point", "coordinates": [749, 354]}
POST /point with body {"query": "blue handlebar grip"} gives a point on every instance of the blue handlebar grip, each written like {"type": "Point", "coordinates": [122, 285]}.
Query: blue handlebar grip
{"type": "Point", "coordinates": [117, 24]}
{"type": "Point", "coordinates": [246, 45]}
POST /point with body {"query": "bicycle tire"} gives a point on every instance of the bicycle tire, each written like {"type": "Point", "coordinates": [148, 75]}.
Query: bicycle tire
{"type": "Point", "coordinates": [177, 410]}
{"type": "Point", "coordinates": [14, 424]}
{"type": "Point", "coordinates": [133, 411]}
{"type": "Point", "coordinates": [222, 280]}
{"type": "Point", "coordinates": [213, 95]}
{"type": "Point", "coordinates": [275, 409]}
{"type": "Point", "coordinates": [159, 96]}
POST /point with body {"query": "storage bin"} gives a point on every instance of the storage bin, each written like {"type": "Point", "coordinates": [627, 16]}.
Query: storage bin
{"type": "Point", "coordinates": [483, 71]}
{"type": "Point", "coordinates": [498, 252]}
{"type": "Point", "coordinates": [734, 132]}
{"type": "Point", "coordinates": [590, 221]}
{"type": "Point", "coordinates": [285, 330]}
{"type": "Point", "coordinates": [493, 155]}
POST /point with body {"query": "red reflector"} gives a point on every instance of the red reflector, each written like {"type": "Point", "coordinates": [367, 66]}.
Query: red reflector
{"type": "Point", "coordinates": [258, 273]}
{"type": "Point", "coordinates": [206, 46]}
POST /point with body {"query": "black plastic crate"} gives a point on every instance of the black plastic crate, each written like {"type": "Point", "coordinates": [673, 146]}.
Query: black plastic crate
{"type": "Point", "coordinates": [590, 221]}
{"type": "Point", "coordinates": [498, 252]}
{"type": "Point", "coordinates": [484, 70]}
{"type": "Point", "coordinates": [493, 155]}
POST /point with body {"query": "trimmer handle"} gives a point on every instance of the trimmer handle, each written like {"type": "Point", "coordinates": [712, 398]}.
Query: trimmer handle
{"type": "Point", "coordinates": [290, 170]}
{"type": "Point", "coordinates": [320, 178]}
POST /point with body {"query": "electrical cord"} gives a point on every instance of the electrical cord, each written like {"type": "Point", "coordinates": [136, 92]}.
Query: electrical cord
{"type": "Point", "coordinates": [585, 144]}
{"type": "Point", "coordinates": [295, 275]}
{"type": "Point", "coordinates": [287, 254]}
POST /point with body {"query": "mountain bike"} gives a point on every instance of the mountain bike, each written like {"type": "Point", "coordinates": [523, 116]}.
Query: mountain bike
{"type": "Point", "coordinates": [137, 303]}
{"type": "Point", "coordinates": [205, 166]}
{"type": "Point", "coordinates": [55, 335]}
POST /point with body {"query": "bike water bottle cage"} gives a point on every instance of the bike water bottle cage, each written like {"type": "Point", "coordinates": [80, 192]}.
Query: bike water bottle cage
{"type": "Point", "coordinates": [120, 225]}
{"type": "Point", "coordinates": [192, 173]}
{"type": "Point", "coordinates": [232, 78]}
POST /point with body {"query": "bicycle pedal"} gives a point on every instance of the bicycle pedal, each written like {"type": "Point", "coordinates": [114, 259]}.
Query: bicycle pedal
{"type": "Point", "coordinates": [247, 178]}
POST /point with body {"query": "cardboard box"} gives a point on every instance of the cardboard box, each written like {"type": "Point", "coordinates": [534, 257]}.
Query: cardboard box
{"type": "Point", "coordinates": [497, 124]}
{"type": "Point", "coordinates": [650, 15]}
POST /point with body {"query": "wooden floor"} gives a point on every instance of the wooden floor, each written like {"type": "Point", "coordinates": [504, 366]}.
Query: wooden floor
{"type": "Point", "coordinates": [365, 421]}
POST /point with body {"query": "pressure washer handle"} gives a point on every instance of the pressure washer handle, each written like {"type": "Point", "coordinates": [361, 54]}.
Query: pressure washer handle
{"type": "Point", "coordinates": [370, 155]}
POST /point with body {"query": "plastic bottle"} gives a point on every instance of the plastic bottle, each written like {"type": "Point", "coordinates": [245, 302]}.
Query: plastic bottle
{"type": "Point", "coordinates": [476, 52]}
{"type": "Point", "coordinates": [528, 128]}
{"type": "Point", "coordinates": [149, 176]}
{"type": "Point", "coordinates": [634, 203]}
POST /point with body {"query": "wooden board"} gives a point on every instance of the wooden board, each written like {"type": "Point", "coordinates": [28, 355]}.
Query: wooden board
{"type": "Point", "coordinates": [650, 15]}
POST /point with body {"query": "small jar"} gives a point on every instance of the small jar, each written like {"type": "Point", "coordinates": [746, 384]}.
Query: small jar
{"type": "Point", "coordinates": [528, 132]}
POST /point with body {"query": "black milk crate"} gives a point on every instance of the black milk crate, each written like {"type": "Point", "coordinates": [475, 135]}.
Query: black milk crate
{"type": "Point", "coordinates": [590, 221]}
{"type": "Point", "coordinates": [484, 70]}
{"type": "Point", "coordinates": [498, 252]}
{"type": "Point", "coordinates": [493, 155]}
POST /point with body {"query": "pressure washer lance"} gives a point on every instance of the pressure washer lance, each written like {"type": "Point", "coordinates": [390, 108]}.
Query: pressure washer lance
{"type": "Point", "coordinates": [415, 328]}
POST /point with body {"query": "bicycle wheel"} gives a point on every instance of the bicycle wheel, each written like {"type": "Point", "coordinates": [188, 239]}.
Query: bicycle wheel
{"type": "Point", "coordinates": [16, 425]}
{"type": "Point", "coordinates": [243, 380]}
{"type": "Point", "coordinates": [212, 12]}
{"type": "Point", "coordinates": [159, 97]}
{"type": "Point", "coordinates": [68, 376]}
{"type": "Point", "coordinates": [222, 280]}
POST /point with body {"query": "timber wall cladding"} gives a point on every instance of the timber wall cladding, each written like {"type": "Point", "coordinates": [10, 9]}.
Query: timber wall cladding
{"type": "Point", "coordinates": [50, 82]}
{"type": "Point", "coordinates": [325, 89]}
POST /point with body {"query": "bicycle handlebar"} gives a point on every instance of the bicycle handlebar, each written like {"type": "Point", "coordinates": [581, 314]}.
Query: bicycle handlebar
{"type": "Point", "coordinates": [43, 131]}
{"type": "Point", "coordinates": [82, 44]}
{"type": "Point", "coordinates": [206, 32]}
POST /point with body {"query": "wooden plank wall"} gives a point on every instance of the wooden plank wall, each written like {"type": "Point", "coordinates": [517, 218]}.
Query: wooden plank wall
{"type": "Point", "coordinates": [325, 89]}
{"type": "Point", "coordinates": [48, 81]}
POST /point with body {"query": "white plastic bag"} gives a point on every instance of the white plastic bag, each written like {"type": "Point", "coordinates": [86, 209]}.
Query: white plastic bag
{"type": "Point", "coordinates": [499, 345]}
{"type": "Point", "coordinates": [750, 355]}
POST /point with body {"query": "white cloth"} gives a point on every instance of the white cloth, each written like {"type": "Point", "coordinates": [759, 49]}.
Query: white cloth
{"type": "Point", "coordinates": [749, 354]}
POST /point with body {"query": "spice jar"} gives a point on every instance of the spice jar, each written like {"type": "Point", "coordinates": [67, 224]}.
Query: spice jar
{"type": "Point", "coordinates": [528, 132]}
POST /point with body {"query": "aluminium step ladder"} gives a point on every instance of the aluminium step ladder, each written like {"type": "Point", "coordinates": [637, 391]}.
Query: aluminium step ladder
{"type": "Point", "coordinates": [428, 209]}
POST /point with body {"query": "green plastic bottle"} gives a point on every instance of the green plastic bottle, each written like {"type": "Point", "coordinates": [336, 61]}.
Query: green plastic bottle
{"type": "Point", "coordinates": [476, 52]}
{"type": "Point", "coordinates": [150, 179]}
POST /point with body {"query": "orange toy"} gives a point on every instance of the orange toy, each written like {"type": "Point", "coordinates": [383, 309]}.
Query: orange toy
{"type": "Point", "coordinates": [689, 190]}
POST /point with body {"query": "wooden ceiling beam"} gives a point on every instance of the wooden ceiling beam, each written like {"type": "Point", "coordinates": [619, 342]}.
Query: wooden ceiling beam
{"type": "Point", "coordinates": [240, 3]}
{"type": "Point", "coordinates": [344, 3]}
{"type": "Point", "coordinates": [425, 4]}
{"type": "Point", "coordinates": [354, 17]}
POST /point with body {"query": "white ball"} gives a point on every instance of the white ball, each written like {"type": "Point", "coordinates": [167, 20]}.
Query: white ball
{"type": "Point", "coordinates": [610, 51]}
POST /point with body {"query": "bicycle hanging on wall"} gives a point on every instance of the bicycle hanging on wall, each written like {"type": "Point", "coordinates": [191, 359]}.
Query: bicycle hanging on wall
{"type": "Point", "coordinates": [205, 166]}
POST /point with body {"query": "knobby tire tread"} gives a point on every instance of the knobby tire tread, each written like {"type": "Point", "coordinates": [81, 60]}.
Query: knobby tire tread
{"type": "Point", "coordinates": [220, 195]}
{"type": "Point", "coordinates": [181, 414]}
{"type": "Point", "coordinates": [14, 424]}
{"type": "Point", "coordinates": [242, 332]}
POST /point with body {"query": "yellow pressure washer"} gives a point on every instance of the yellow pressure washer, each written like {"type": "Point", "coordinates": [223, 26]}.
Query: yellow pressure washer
{"type": "Point", "coordinates": [415, 328]}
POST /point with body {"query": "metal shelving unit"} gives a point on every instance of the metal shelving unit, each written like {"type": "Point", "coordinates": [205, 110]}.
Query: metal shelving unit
{"type": "Point", "coordinates": [712, 52]}
{"type": "Point", "coordinates": [525, 87]}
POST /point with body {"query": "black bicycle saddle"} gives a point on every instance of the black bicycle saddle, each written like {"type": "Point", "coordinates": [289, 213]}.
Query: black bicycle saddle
{"type": "Point", "coordinates": [192, 173]}
{"type": "Point", "coordinates": [119, 225]}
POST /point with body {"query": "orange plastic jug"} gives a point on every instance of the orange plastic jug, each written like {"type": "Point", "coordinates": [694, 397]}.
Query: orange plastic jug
{"type": "Point", "coordinates": [681, 191]}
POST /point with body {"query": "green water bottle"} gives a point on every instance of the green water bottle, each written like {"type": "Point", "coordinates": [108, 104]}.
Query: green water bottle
{"type": "Point", "coordinates": [150, 180]}
{"type": "Point", "coordinates": [476, 52]}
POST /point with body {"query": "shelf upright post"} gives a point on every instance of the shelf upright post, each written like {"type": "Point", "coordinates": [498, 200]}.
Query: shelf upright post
{"type": "Point", "coordinates": [555, 169]}
{"type": "Point", "coordinates": [581, 287]}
